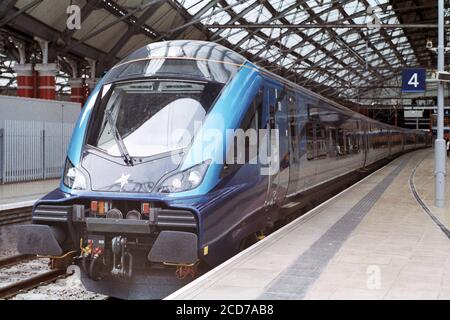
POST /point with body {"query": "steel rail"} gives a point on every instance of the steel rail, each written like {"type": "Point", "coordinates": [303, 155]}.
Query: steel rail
{"type": "Point", "coordinates": [16, 259]}
{"type": "Point", "coordinates": [31, 283]}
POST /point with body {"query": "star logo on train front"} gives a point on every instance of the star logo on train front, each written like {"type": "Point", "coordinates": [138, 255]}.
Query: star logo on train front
{"type": "Point", "coordinates": [123, 180]}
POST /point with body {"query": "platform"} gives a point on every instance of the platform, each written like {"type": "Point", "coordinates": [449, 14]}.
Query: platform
{"type": "Point", "coordinates": [24, 194]}
{"type": "Point", "coordinates": [371, 241]}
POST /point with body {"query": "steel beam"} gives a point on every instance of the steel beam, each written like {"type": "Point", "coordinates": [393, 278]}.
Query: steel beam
{"type": "Point", "coordinates": [322, 26]}
{"type": "Point", "coordinates": [11, 17]}
{"type": "Point", "coordinates": [31, 26]}
{"type": "Point", "coordinates": [132, 30]}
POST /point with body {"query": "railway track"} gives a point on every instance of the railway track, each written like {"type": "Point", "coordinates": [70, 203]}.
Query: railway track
{"type": "Point", "coordinates": [29, 283]}
{"type": "Point", "coordinates": [17, 215]}
{"type": "Point", "coordinates": [16, 259]}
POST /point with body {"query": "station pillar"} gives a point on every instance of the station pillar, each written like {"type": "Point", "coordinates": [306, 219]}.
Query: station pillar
{"type": "Point", "coordinates": [77, 90]}
{"type": "Point", "coordinates": [91, 82]}
{"type": "Point", "coordinates": [25, 80]}
{"type": "Point", "coordinates": [46, 80]}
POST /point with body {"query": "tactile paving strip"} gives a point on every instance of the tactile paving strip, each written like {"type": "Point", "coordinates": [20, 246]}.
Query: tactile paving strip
{"type": "Point", "coordinates": [424, 206]}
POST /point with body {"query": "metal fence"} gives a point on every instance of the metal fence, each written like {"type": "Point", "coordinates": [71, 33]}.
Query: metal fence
{"type": "Point", "coordinates": [32, 150]}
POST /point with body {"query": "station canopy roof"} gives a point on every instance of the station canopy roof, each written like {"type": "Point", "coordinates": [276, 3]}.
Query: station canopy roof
{"type": "Point", "coordinates": [341, 49]}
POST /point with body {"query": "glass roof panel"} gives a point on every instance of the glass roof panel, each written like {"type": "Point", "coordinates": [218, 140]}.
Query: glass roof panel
{"type": "Point", "coordinates": [291, 40]}
{"type": "Point", "coordinates": [194, 6]}
{"type": "Point", "coordinates": [328, 50]}
{"type": "Point", "coordinates": [258, 14]}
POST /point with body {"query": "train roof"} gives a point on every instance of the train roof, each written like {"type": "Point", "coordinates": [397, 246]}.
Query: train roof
{"type": "Point", "coordinates": [331, 102]}
{"type": "Point", "coordinates": [214, 62]}
{"type": "Point", "coordinates": [198, 50]}
{"type": "Point", "coordinates": [210, 51]}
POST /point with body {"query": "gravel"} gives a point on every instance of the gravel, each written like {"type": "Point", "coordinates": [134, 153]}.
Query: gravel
{"type": "Point", "coordinates": [22, 270]}
{"type": "Point", "coordinates": [69, 288]}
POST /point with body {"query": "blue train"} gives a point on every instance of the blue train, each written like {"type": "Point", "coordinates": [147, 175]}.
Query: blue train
{"type": "Point", "coordinates": [183, 153]}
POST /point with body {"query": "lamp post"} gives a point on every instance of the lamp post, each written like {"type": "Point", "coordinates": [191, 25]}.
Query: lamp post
{"type": "Point", "coordinates": [440, 147]}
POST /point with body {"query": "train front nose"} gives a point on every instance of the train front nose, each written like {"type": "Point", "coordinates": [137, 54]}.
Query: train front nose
{"type": "Point", "coordinates": [110, 233]}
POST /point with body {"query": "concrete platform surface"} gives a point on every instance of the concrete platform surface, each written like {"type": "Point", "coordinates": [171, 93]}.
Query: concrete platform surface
{"type": "Point", "coordinates": [24, 194]}
{"type": "Point", "coordinates": [372, 241]}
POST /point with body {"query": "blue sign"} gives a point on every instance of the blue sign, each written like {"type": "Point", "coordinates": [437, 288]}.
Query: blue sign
{"type": "Point", "coordinates": [413, 80]}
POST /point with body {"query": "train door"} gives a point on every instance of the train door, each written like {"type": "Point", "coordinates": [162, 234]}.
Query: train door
{"type": "Point", "coordinates": [365, 141]}
{"type": "Point", "coordinates": [278, 179]}
{"type": "Point", "coordinates": [389, 138]}
{"type": "Point", "coordinates": [294, 117]}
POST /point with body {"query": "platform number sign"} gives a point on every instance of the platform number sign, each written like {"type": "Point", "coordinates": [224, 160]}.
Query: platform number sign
{"type": "Point", "coordinates": [413, 80]}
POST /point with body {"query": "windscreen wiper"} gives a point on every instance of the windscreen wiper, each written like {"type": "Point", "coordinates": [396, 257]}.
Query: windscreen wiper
{"type": "Point", "coordinates": [120, 144]}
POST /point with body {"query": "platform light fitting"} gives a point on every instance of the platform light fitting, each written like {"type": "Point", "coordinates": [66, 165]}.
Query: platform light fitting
{"type": "Point", "coordinates": [443, 76]}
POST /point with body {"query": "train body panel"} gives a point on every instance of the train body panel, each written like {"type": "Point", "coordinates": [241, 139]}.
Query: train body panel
{"type": "Point", "coordinates": [154, 169]}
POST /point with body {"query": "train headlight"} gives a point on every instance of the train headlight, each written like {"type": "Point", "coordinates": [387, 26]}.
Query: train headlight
{"type": "Point", "coordinates": [73, 178]}
{"type": "Point", "coordinates": [195, 177]}
{"type": "Point", "coordinates": [185, 180]}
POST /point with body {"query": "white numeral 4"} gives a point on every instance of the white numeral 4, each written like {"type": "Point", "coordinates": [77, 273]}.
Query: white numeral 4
{"type": "Point", "coordinates": [413, 81]}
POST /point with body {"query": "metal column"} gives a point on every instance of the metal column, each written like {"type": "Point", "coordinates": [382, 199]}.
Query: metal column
{"type": "Point", "coordinates": [440, 148]}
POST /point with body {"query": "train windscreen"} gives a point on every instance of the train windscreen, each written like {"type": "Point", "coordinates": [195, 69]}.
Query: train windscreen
{"type": "Point", "coordinates": [147, 118]}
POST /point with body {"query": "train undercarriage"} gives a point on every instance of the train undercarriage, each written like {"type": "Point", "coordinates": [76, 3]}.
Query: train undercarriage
{"type": "Point", "coordinates": [147, 252]}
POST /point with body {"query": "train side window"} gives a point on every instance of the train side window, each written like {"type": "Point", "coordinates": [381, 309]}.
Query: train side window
{"type": "Point", "coordinates": [347, 142]}
{"type": "Point", "coordinates": [316, 141]}
{"type": "Point", "coordinates": [332, 142]}
{"type": "Point", "coordinates": [357, 145]}
{"type": "Point", "coordinates": [321, 142]}
{"type": "Point", "coordinates": [313, 113]}
{"type": "Point", "coordinates": [340, 143]}
{"type": "Point", "coordinates": [293, 126]}
{"type": "Point", "coordinates": [309, 141]}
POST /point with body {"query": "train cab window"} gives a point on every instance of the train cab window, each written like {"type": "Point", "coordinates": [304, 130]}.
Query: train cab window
{"type": "Point", "coordinates": [151, 117]}
{"type": "Point", "coordinates": [253, 119]}
{"type": "Point", "coordinates": [250, 125]}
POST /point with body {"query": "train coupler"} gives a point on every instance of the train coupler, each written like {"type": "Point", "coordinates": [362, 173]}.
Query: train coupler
{"type": "Point", "coordinates": [122, 258]}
